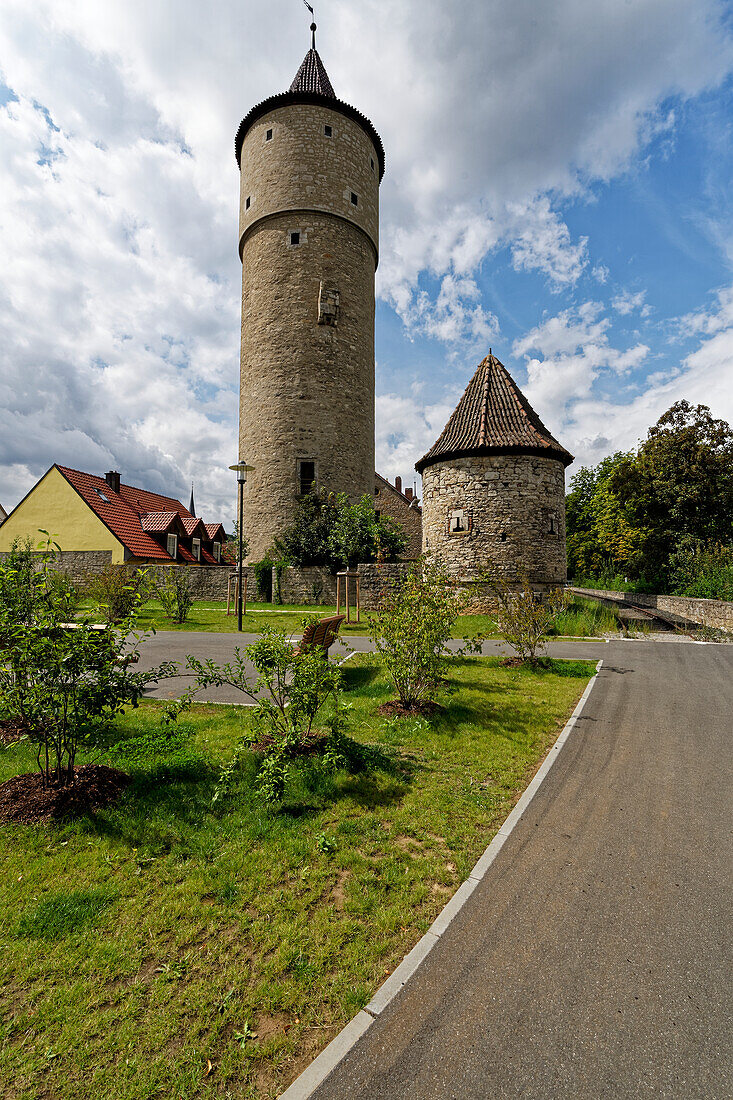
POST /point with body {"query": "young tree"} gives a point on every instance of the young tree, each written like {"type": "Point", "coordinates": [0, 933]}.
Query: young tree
{"type": "Point", "coordinates": [175, 593]}
{"type": "Point", "coordinates": [65, 682]}
{"type": "Point", "coordinates": [524, 618]}
{"type": "Point", "coordinates": [330, 531]}
{"type": "Point", "coordinates": [410, 628]}
{"type": "Point", "coordinates": [292, 692]}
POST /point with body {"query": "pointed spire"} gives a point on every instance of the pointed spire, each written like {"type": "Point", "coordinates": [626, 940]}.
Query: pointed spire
{"type": "Point", "coordinates": [192, 506]}
{"type": "Point", "coordinates": [493, 416]}
{"type": "Point", "coordinates": [312, 76]}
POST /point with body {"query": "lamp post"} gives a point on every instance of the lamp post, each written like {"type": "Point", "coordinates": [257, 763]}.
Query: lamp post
{"type": "Point", "coordinates": [241, 469]}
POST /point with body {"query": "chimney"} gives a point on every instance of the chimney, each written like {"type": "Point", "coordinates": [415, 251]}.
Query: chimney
{"type": "Point", "coordinates": [113, 480]}
{"type": "Point", "coordinates": [408, 494]}
{"type": "Point", "coordinates": [398, 484]}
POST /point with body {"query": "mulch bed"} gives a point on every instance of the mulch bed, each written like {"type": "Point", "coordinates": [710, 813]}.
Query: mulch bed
{"type": "Point", "coordinates": [11, 730]}
{"type": "Point", "coordinates": [309, 746]}
{"type": "Point", "coordinates": [25, 801]}
{"type": "Point", "coordinates": [394, 709]}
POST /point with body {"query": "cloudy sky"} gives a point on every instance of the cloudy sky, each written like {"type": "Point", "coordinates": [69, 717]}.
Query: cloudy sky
{"type": "Point", "coordinates": [557, 188]}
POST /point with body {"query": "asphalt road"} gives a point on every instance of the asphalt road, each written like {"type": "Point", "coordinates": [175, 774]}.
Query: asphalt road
{"type": "Point", "coordinates": [593, 959]}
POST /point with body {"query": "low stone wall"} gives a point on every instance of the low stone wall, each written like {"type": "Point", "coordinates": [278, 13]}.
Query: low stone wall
{"type": "Point", "coordinates": [208, 582]}
{"type": "Point", "coordinates": [77, 564]}
{"type": "Point", "coordinates": [717, 614]}
{"type": "Point", "coordinates": [312, 585]}
{"type": "Point", "coordinates": [307, 584]}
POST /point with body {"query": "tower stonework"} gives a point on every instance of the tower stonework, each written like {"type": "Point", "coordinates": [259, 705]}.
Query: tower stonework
{"type": "Point", "coordinates": [494, 488]}
{"type": "Point", "coordinates": [310, 169]}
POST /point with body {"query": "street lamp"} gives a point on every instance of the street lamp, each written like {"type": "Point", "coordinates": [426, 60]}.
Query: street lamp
{"type": "Point", "coordinates": [241, 469]}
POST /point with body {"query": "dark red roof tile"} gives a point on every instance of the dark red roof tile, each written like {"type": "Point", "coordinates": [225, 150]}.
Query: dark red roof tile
{"type": "Point", "coordinates": [493, 417]}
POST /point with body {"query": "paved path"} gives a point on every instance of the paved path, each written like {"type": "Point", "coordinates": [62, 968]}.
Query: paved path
{"type": "Point", "coordinates": [591, 960]}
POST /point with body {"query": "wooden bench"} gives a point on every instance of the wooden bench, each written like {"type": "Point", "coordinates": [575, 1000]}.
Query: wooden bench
{"type": "Point", "coordinates": [320, 635]}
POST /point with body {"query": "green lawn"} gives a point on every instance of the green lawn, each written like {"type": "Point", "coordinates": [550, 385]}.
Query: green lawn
{"type": "Point", "coordinates": [163, 949]}
{"type": "Point", "coordinates": [582, 618]}
{"type": "Point", "coordinates": [211, 616]}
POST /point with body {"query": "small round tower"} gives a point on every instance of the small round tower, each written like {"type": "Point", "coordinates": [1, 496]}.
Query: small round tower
{"type": "Point", "coordinates": [494, 487]}
{"type": "Point", "coordinates": [310, 169]}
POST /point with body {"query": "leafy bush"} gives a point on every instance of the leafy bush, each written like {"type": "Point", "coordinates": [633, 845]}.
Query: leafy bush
{"type": "Point", "coordinates": [330, 531]}
{"type": "Point", "coordinates": [117, 591]}
{"type": "Point", "coordinates": [703, 571]}
{"type": "Point", "coordinates": [263, 577]}
{"type": "Point", "coordinates": [175, 593]}
{"type": "Point", "coordinates": [65, 683]}
{"type": "Point", "coordinates": [17, 591]}
{"type": "Point", "coordinates": [524, 618]}
{"type": "Point", "coordinates": [292, 691]}
{"type": "Point", "coordinates": [413, 622]}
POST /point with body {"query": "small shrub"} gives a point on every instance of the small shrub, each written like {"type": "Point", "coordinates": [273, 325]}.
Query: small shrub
{"type": "Point", "coordinates": [175, 593]}
{"type": "Point", "coordinates": [410, 628]}
{"type": "Point", "coordinates": [524, 618]}
{"type": "Point", "coordinates": [65, 684]}
{"type": "Point", "coordinates": [292, 692]}
{"type": "Point", "coordinates": [263, 577]}
{"type": "Point", "coordinates": [117, 591]}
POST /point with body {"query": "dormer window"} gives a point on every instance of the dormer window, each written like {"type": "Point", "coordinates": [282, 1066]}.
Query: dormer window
{"type": "Point", "coordinates": [172, 546]}
{"type": "Point", "coordinates": [217, 551]}
{"type": "Point", "coordinates": [196, 548]}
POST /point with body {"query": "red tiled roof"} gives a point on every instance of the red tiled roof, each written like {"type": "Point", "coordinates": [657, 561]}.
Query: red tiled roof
{"type": "Point", "coordinates": [159, 522]}
{"type": "Point", "coordinates": [493, 417]}
{"type": "Point", "coordinates": [215, 532]}
{"type": "Point", "coordinates": [191, 523]}
{"type": "Point", "coordinates": [132, 514]}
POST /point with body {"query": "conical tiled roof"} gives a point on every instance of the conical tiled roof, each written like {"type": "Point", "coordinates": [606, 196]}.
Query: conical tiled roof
{"type": "Point", "coordinates": [312, 76]}
{"type": "Point", "coordinates": [493, 417]}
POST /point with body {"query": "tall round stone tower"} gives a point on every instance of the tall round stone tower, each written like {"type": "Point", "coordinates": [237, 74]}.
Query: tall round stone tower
{"type": "Point", "coordinates": [494, 487]}
{"type": "Point", "coordinates": [310, 170]}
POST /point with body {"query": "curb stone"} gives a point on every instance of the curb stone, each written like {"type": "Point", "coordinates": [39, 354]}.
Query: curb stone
{"type": "Point", "coordinates": [313, 1077]}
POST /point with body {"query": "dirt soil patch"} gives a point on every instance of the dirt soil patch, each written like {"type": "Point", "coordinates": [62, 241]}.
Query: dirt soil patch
{"type": "Point", "coordinates": [395, 709]}
{"type": "Point", "coordinates": [11, 729]}
{"type": "Point", "coordinates": [25, 801]}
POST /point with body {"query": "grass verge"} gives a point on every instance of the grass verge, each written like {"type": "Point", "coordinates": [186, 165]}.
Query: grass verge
{"type": "Point", "coordinates": [164, 949]}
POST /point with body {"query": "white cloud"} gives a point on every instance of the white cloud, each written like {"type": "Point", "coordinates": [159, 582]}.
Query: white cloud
{"type": "Point", "coordinates": [627, 302]}
{"type": "Point", "coordinates": [119, 301]}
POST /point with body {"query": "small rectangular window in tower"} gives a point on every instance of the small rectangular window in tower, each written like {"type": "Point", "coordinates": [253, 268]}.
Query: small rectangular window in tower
{"type": "Point", "coordinates": [248, 202]}
{"type": "Point", "coordinates": [328, 131]}
{"type": "Point", "coordinates": [268, 135]}
{"type": "Point", "coordinates": [371, 159]}
{"type": "Point", "coordinates": [354, 199]}
{"type": "Point", "coordinates": [307, 481]}
{"type": "Point", "coordinates": [295, 237]}
{"type": "Point", "coordinates": [553, 525]}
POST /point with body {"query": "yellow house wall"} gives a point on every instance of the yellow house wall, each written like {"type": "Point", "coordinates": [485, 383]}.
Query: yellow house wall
{"type": "Point", "coordinates": [55, 507]}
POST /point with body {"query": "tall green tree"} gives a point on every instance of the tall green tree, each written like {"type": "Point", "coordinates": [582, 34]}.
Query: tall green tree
{"type": "Point", "coordinates": [679, 484]}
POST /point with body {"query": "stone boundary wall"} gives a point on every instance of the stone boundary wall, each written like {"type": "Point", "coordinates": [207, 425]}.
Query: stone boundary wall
{"type": "Point", "coordinates": [77, 564]}
{"type": "Point", "coordinates": [298, 583]}
{"type": "Point", "coordinates": [308, 584]}
{"type": "Point", "coordinates": [717, 614]}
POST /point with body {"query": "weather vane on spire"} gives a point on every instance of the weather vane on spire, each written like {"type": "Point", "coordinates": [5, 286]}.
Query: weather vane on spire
{"type": "Point", "coordinates": [313, 24]}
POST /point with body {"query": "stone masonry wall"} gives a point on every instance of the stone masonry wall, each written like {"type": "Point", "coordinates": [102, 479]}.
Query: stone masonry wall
{"type": "Point", "coordinates": [389, 501]}
{"type": "Point", "coordinates": [513, 516]}
{"type": "Point", "coordinates": [717, 614]}
{"type": "Point", "coordinates": [306, 585]}
{"type": "Point", "coordinates": [307, 388]}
